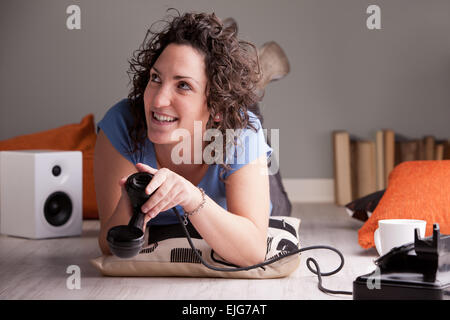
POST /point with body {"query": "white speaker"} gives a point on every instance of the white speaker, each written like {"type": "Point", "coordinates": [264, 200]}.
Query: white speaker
{"type": "Point", "coordinates": [41, 193]}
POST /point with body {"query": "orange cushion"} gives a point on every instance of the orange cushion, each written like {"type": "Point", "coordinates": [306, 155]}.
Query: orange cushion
{"type": "Point", "coordinates": [71, 137]}
{"type": "Point", "coordinates": [416, 190]}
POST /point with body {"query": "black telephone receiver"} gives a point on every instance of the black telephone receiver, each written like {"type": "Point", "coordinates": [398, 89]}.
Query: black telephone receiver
{"type": "Point", "coordinates": [126, 241]}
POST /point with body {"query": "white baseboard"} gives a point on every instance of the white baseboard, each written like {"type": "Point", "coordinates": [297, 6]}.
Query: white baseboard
{"type": "Point", "coordinates": [309, 190]}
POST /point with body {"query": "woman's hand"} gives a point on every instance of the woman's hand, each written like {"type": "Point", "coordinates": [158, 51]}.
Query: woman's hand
{"type": "Point", "coordinates": [171, 190]}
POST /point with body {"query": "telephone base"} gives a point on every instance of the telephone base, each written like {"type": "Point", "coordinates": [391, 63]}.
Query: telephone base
{"type": "Point", "coordinates": [390, 287]}
{"type": "Point", "coordinates": [417, 270]}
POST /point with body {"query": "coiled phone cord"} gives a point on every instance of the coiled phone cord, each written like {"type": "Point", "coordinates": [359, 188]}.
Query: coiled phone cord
{"type": "Point", "coordinates": [308, 261]}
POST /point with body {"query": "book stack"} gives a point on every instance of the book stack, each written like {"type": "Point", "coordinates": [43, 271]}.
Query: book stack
{"type": "Point", "coordinates": [362, 167]}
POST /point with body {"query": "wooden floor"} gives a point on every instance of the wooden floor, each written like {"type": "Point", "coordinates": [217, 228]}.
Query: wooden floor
{"type": "Point", "coordinates": [37, 269]}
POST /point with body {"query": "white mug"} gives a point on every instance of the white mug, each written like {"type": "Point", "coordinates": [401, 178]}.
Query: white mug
{"type": "Point", "coordinates": [396, 232]}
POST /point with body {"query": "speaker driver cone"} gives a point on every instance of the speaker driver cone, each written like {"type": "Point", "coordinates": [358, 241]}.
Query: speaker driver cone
{"type": "Point", "coordinates": [58, 208]}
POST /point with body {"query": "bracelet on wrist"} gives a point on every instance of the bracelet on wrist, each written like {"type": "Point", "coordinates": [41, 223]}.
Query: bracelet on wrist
{"type": "Point", "coordinates": [196, 210]}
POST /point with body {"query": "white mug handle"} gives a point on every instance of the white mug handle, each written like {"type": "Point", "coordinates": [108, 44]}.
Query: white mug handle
{"type": "Point", "coordinates": [376, 238]}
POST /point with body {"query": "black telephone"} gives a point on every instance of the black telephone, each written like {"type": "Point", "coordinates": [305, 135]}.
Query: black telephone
{"type": "Point", "coordinates": [417, 270]}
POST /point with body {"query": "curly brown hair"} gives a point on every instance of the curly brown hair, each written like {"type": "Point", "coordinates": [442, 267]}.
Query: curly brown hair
{"type": "Point", "coordinates": [232, 70]}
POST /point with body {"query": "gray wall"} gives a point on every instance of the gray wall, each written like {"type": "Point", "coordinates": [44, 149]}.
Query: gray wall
{"type": "Point", "coordinates": [343, 76]}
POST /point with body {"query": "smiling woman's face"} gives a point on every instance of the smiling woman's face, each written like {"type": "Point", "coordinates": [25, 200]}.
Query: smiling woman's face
{"type": "Point", "coordinates": [175, 95]}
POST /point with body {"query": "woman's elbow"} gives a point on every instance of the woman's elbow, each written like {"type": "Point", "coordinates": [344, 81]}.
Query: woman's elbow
{"type": "Point", "coordinates": [257, 257]}
{"type": "Point", "coordinates": [258, 254]}
{"type": "Point", "coordinates": [252, 261]}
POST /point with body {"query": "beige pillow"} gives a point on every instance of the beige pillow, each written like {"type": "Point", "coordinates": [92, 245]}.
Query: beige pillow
{"type": "Point", "coordinates": [167, 253]}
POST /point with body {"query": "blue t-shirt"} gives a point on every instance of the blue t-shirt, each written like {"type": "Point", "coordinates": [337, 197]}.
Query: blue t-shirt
{"type": "Point", "coordinates": [118, 119]}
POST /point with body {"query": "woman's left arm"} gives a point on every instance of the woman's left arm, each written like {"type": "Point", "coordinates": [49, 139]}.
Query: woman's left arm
{"type": "Point", "coordinates": [239, 234]}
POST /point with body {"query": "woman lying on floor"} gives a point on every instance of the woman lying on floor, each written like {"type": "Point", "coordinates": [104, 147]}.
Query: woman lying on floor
{"type": "Point", "coordinates": [186, 120]}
